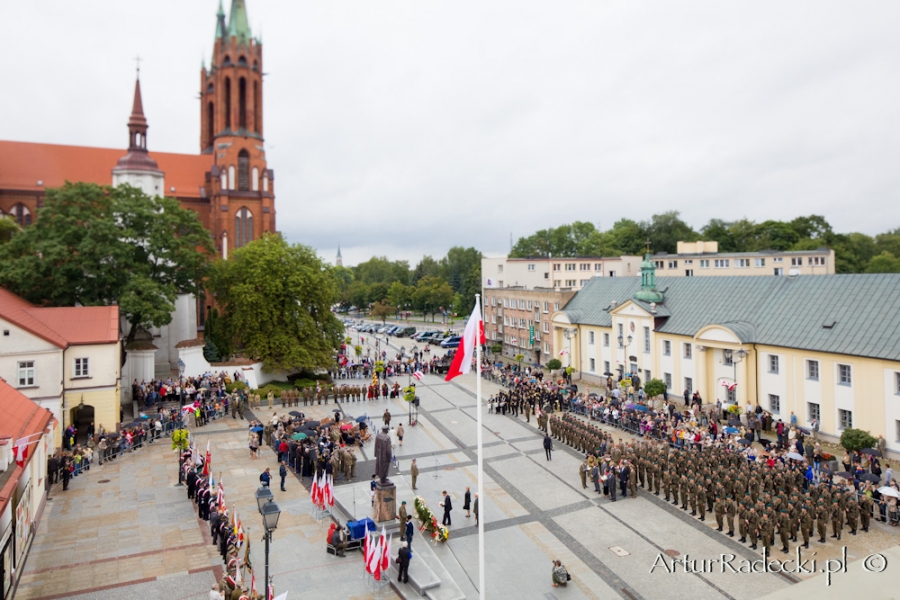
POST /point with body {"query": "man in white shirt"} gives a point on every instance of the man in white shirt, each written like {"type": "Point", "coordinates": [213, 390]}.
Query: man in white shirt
{"type": "Point", "coordinates": [214, 593]}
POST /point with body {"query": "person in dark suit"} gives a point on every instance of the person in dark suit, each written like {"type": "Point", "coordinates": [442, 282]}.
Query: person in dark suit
{"type": "Point", "coordinates": [548, 445]}
{"type": "Point", "coordinates": [467, 503]}
{"type": "Point", "coordinates": [408, 532]}
{"type": "Point", "coordinates": [448, 506]}
{"type": "Point", "coordinates": [623, 480]}
{"type": "Point", "coordinates": [403, 562]}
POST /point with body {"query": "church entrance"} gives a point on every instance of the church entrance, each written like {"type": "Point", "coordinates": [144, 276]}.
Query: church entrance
{"type": "Point", "coordinates": [82, 416]}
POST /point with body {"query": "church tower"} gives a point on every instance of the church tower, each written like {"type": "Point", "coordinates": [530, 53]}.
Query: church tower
{"type": "Point", "coordinates": [137, 168]}
{"type": "Point", "coordinates": [241, 185]}
{"type": "Point", "coordinates": [339, 260]}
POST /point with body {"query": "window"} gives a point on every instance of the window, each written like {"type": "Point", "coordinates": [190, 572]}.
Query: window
{"type": "Point", "coordinates": [897, 429]}
{"type": "Point", "coordinates": [797, 261]}
{"type": "Point", "coordinates": [546, 347]}
{"type": "Point", "coordinates": [689, 385]}
{"type": "Point", "coordinates": [646, 340]}
{"type": "Point", "coordinates": [243, 228]}
{"type": "Point", "coordinates": [265, 180]}
{"type": "Point", "coordinates": [570, 283]}
{"type": "Point", "coordinates": [667, 348]}
{"type": "Point", "coordinates": [530, 305]}
{"type": "Point", "coordinates": [774, 404]}
{"type": "Point", "coordinates": [688, 272]}
{"type": "Point", "coordinates": [546, 326]}
{"type": "Point", "coordinates": [646, 375]}
{"type": "Point", "coordinates": [556, 306]}
{"type": "Point", "coordinates": [689, 262]}
{"type": "Point", "coordinates": [606, 343]}
{"type": "Point", "coordinates": [556, 266]}
{"type": "Point", "coordinates": [546, 307]}
{"type": "Point", "coordinates": [673, 264]}
{"type": "Point", "coordinates": [721, 263]}
{"type": "Point", "coordinates": [844, 375]}
{"type": "Point", "coordinates": [521, 323]}
{"type": "Point", "coordinates": [742, 262]}
{"type": "Point", "coordinates": [227, 102]}
{"type": "Point", "coordinates": [760, 262]}
{"type": "Point", "coordinates": [585, 266]}
{"type": "Point", "coordinates": [621, 329]}
{"type": "Point", "coordinates": [773, 363]}
{"type": "Point", "coordinates": [256, 104]}
{"type": "Point", "coordinates": [688, 351]}
{"type": "Point", "coordinates": [231, 177]}
{"type": "Point", "coordinates": [606, 367]}
{"type": "Point", "coordinates": [812, 369]}
{"type": "Point", "coordinates": [845, 419]}
{"type": "Point", "coordinates": [21, 215]}
{"type": "Point", "coordinates": [813, 411]}
{"type": "Point", "coordinates": [506, 320]}
{"type": "Point", "coordinates": [593, 365]}
{"type": "Point", "coordinates": [731, 395]}
{"type": "Point", "coordinates": [778, 259]}
{"type": "Point", "coordinates": [612, 273]}
{"type": "Point", "coordinates": [583, 282]}
{"type": "Point", "coordinates": [591, 339]}
{"type": "Point", "coordinates": [493, 301]}
{"type": "Point", "coordinates": [896, 375]}
{"type": "Point", "coordinates": [531, 267]}
{"type": "Point", "coordinates": [778, 271]}
{"type": "Point", "coordinates": [244, 171]}
{"type": "Point", "coordinates": [26, 373]}
{"type": "Point", "coordinates": [81, 367]}
{"type": "Point", "coordinates": [242, 103]}
{"type": "Point", "coordinates": [668, 379]}
{"type": "Point", "coordinates": [570, 266]}
{"type": "Point", "coordinates": [499, 269]}
{"type": "Point", "coordinates": [598, 267]}
{"type": "Point", "coordinates": [727, 358]}
{"type": "Point", "coordinates": [254, 179]}
{"type": "Point", "coordinates": [505, 303]}
{"type": "Point", "coordinates": [546, 275]}
{"type": "Point", "coordinates": [659, 264]}
{"type": "Point", "coordinates": [704, 263]}
{"type": "Point", "coordinates": [817, 261]}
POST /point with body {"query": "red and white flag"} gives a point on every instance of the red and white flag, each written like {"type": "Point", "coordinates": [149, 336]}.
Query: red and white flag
{"type": "Point", "coordinates": [730, 386]}
{"type": "Point", "coordinates": [367, 549]}
{"type": "Point", "coordinates": [563, 352]}
{"type": "Point", "coordinates": [473, 334]}
{"type": "Point", "coordinates": [385, 551]}
{"type": "Point", "coordinates": [418, 375]}
{"type": "Point", "coordinates": [220, 496]}
{"type": "Point", "coordinates": [329, 491]}
{"type": "Point", "coordinates": [252, 582]}
{"type": "Point", "coordinates": [21, 452]}
{"type": "Point", "coordinates": [374, 564]}
{"type": "Point", "coordinates": [314, 490]}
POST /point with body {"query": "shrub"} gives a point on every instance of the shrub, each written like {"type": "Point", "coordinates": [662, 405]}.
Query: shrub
{"type": "Point", "coordinates": [655, 387]}
{"type": "Point", "coordinates": [735, 410]}
{"type": "Point", "coordinates": [497, 348]}
{"type": "Point", "coordinates": [857, 439]}
{"type": "Point", "coordinates": [554, 364]}
{"type": "Point", "coordinates": [235, 385]}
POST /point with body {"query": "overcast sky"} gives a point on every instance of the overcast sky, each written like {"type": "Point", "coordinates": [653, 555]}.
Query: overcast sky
{"type": "Point", "coordinates": [404, 128]}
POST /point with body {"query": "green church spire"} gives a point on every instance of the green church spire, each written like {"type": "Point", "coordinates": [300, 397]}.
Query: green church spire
{"type": "Point", "coordinates": [648, 291]}
{"type": "Point", "coordinates": [220, 22]}
{"type": "Point", "coordinates": [238, 24]}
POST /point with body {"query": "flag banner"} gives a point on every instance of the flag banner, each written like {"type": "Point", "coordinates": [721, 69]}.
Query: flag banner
{"type": "Point", "coordinates": [418, 375]}
{"type": "Point", "coordinates": [473, 334]}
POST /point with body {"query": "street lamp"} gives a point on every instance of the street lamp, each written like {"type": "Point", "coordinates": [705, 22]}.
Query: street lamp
{"type": "Point", "coordinates": [735, 358]}
{"type": "Point", "coordinates": [181, 366]}
{"type": "Point", "coordinates": [624, 344]}
{"type": "Point", "coordinates": [270, 513]}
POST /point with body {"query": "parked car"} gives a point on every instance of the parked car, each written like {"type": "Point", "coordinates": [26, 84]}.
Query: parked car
{"type": "Point", "coordinates": [451, 342]}
{"type": "Point", "coordinates": [441, 336]}
{"type": "Point", "coordinates": [428, 337]}
{"type": "Point", "coordinates": [405, 331]}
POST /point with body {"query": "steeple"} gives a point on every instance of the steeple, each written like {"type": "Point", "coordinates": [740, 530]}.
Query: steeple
{"type": "Point", "coordinates": [339, 261]}
{"type": "Point", "coordinates": [220, 24]}
{"type": "Point", "coordinates": [137, 122]}
{"type": "Point", "coordinates": [648, 291]}
{"type": "Point", "coordinates": [137, 168]}
{"type": "Point", "coordinates": [238, 24]}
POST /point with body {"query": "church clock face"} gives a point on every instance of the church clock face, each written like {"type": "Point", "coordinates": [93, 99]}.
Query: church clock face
{"type": "Point", "coordinates": [631, 326]}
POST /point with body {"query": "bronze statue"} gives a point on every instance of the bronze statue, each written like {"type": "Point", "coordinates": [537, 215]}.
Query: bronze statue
{"type": "Point", "coordinates": [383, 455]}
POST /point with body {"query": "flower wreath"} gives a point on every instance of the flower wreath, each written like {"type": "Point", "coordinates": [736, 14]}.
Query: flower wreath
{"type": "Point", "coordinates": [428, 522]}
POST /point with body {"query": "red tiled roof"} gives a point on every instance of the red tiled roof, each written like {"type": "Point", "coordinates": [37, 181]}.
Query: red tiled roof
{"type": "Point", "coordinates": [21, 416]}
{"type": "Point", "coordinates": [64, 326]}
{"type": "Point", "coordinates": [23, 164]}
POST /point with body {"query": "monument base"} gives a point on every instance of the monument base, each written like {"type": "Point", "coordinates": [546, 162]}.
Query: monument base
{"type": "Point", "coordinates": [385, 503]}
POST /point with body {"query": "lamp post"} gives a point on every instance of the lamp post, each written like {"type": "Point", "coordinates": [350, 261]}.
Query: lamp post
{"type": "Point", "coordinates": [181, 366]}
{"type": "Point", "coordinates": [270, 513]}
{"type": "Point", "coordinates": [735, 358]}
{"type": "Point", "coordinates": [624, 344]}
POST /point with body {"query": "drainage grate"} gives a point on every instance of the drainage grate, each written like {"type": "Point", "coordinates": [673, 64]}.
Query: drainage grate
{"type": "Point", "coordinates": [619, 551]}
{"type": "Point", "coordinates": [103, 481]}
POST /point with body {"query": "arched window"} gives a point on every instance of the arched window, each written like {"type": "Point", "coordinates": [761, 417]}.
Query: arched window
{"type": "Point", "coordinates": [227, 103]}
{"type": "Point", "coordinates": [254, 180]}
{"type": "Point", "coordinates": [21, 214]}
{"type": "Point", "coordinates": [256, 106]}
{"type": "Point", "coordinates": [265, 181]}
{"type": "Point", "coordinates": [242, 103]}
{"type": "Point", "coordinates": [227, 60]}
{"type": "Point", "coordinates": [210, 123]}
{"type": "Point", "coordinates": [244, 171]}
{"type": "Point", "coordinates": [231, 177]}
{"type": "Point", "coordinates": [243, 228]}
{"type": "Point", "coordinates": [242, 62]}
{"type": "Point", "coordinates": [209, 89]}
{"type": "Point", "coordinates": [224, 180]}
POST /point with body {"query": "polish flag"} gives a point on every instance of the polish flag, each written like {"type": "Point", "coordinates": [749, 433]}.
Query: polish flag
{"type": "Point", "coordinates": [314, 490]}
{"type": "Point", "coordinates": [329, 491]}
{"type": "Point", "coordinates": [374, 564]}
{"type": "Point", "coordinates": [367, 550]}
{"type": "Point", "coordinates": [563, 352]}
{"type": "Point", "coordinates": [418, 375]}
{"type": "Point", "coordinates": [252, 582]}
{"type": "Point", "coordinates": [473, 334]}
{"type": "Point", "coordinates": [21, 452]}
{"type": "Point", "coordinates": [385, 552]}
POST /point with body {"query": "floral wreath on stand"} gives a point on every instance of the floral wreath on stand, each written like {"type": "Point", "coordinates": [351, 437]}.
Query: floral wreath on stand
{"type": "Point", "coordinates": [428, 522]}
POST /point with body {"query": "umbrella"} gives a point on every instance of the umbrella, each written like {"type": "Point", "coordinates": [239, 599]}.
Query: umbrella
{"type": "Point", "coordinates": [295, 413]}
{"type": "Point", "coordinates": [336, 410]}
{"type": "Point", "coordinates": [844, 474]}
{"type": "Point", "coordinates": [734, 422]}
{"type": "Point", "coordinates": [311, 424]}
{"type": "Point", "coordinates": [143, 416]}
{"type": "Point", "coordinates": [346, 427]}
{"type": "Point", "coordinates": [256, 429]}
{"type": "Point", "coordinates": [744, 441]}
{"type": "Point", "coordinates": [871, 452]}
{"type": "Point", "coordinates": [730, 430]}
{"type": "Point", "coordinates": [889, 491]}
{"type": "Point", "coordinates": [299, 436]}
{"type": "Point", "coordinates": [794, 456]}
{"type": "Point", "coordinates": [362, 418]}
{"type": "Point", "coordinates": [608, 374]}
{"type": "Point", "coordinates": [870, 477]}
{"type": "Point", "coordinates": [593, 395]}
{"type": "Point", "coordinates": [641, 408]}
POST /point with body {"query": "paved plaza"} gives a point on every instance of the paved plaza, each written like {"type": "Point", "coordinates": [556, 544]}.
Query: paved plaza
{"type": "Point", "coordinates": [125, 530]}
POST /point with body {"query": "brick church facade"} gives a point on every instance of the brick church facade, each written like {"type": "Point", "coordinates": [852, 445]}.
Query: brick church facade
{"type": "Point", "coordinates": [227, 184]}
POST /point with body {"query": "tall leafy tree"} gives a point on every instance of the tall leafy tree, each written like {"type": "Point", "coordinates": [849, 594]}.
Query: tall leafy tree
{"type": "Point", "coordinates": [8, 228]}
{"type": "Point", "coordinates": [667, 229]}
{"type": "Point", "coordinates": [96, 245]}
{"type": "Point", "coordinates": [884, 263]}
{"type": "Point", "coordinates": [626, 237]}
{"type": "Point", "coordinates": [277, 300]}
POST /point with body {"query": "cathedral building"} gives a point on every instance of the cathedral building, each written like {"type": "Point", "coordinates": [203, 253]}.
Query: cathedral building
{"type": "Point", "coordinates": [227, 183]}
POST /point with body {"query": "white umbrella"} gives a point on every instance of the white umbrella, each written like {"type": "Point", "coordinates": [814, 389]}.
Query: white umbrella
{"type": "Point", "coordinates": [794, 456]}
{"type": "Point", "coordinates": [889, 491]}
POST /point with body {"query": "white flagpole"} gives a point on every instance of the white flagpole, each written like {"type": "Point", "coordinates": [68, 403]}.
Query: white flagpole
{"type": "Point", "coordinates": [481, 497]}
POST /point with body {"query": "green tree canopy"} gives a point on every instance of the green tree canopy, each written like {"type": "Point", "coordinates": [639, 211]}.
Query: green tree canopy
{"type": "Point", "coordinates": [431, 295]}
{"type": "Point", "coordinates": [276, 300]}
{"type": "Point", "coordinates": [884, 263]}
{"type": "Point", "coordinates": [382, 310]}
{"type": "Point", "coordinates": [666, 230]}
{"type": "Point", "coordinates": [8, 228]}
{"type": "Point", "coordinates": [96, 245]}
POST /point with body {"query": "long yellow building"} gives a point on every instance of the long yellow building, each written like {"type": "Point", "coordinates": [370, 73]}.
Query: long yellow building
{"type": "Point", "coordinates": [824, 347]}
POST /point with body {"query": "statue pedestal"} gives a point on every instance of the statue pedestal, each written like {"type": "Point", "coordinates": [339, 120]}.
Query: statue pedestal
{"type": "Point", "coordinates": [385, 503]}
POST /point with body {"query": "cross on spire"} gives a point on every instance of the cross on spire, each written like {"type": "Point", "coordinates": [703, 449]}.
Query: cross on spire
{"type": "Point", "coordinates": [647, 243]}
